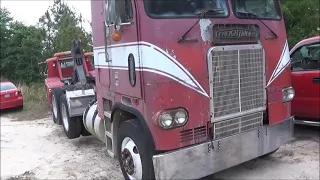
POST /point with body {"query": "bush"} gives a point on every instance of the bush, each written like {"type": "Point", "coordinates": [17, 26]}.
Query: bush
{"type": "Point", "coordinates": [34, 94]}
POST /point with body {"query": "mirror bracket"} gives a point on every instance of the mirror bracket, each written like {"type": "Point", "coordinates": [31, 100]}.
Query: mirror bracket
{"type": "Point", "coordinates": [120, 24]}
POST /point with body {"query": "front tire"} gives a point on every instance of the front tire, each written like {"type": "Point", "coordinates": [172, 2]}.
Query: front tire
{"type": "Point", "coordinates": [134, 152]}
{"type": "Point", "coordinates": [55, 108]}
{"type": "Point", "coordinates": [71, 125]}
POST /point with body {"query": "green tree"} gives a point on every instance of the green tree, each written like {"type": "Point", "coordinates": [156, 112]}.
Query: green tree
{"type": "Point", "coordinates": [301, 19]}
{"type": "Point", "coordinates": [20, 62]}
{"type": "Point", "coordinates": [23, 47]}
{"type": "Point", "coordinates": [5, 20]}
{"type": "Point", "coordinates": [61, 25]}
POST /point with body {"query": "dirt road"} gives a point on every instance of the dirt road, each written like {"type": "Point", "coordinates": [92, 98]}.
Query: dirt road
{"type": "Point", "coordinates": [39, 150]}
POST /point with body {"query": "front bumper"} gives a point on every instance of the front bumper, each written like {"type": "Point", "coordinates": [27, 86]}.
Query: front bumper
{"type": "Point", "coordinates": [211, 157]}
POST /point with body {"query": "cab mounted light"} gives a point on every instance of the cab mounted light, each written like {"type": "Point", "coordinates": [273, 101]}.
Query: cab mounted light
{"type": "Point", "coordinates": [116, 36]}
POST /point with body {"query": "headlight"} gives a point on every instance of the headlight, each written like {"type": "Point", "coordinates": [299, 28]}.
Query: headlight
{"type": "Point", "coordinates": [166, 120]}
{"type": "Point", "coordinates": [172, 118]}
{"type": "Point", "coordinates": [287, 94]}
{"type": "Point", "coordinates": [180, 118]}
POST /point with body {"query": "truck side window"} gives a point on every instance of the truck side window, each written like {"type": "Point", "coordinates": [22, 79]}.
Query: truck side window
{"type": "Point", "coordinates": [306, 57]}
{"type": "Point", "coordinates": [116, 9]}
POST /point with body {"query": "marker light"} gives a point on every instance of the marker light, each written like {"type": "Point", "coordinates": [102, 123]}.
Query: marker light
{"type": "Point", "coordinates": [288, 94]}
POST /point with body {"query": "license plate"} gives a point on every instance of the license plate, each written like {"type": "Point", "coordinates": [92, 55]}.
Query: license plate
{"type": "Point", "coordinates": [6, 95]}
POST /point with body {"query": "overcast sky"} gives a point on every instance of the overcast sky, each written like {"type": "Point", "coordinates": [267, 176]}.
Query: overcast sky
{"type": "Point", "coordinates": [29, 11]}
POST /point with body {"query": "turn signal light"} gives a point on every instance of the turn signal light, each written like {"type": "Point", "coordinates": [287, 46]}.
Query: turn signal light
{"type": "Point", "coordinates": [116, 36]}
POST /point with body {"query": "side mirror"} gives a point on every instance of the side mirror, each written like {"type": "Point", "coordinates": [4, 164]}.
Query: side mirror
{"type": "Point", "coordinates": [118, 24]}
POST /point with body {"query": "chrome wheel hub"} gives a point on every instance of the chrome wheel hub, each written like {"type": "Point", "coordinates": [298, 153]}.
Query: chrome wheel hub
{"type": "Point", "coordinates": [131, 159]}
{"type": "Point", "coordinates": [127, 161]}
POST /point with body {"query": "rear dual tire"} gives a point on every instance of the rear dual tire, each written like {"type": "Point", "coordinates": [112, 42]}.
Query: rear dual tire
{"type": "Point", "coordinates": [73, 126]}
{"type": "Point", "coordinates": [55, 108]}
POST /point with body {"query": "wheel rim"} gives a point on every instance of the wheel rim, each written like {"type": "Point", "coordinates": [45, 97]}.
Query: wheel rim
{"type": "Point", "coordinates": [64, 117]}
{"type": "Point", "coordinates": [131, 159]}
{"type": "Point", "coordinates": [54, 107]}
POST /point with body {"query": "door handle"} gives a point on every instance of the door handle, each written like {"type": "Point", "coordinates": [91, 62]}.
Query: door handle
{"type": "Point", "coordinates": [316, 80]}
{"type": "Point", "coordinates": [108, 57]}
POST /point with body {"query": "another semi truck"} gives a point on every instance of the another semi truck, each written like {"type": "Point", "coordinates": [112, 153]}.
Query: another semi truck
{"type": "Point", "coordinates": [179, 89]}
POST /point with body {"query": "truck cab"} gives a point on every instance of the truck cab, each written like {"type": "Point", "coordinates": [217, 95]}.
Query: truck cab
{"type": "Point", "coordinates": [188, 88]}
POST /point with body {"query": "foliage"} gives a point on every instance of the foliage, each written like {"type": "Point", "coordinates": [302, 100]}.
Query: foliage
{"type": "Point", "coordinates": [23, 47]}
{"type": "Point", "coordinates": [301, 19]}
{"type": "Point", "coordinates": [62, 25]}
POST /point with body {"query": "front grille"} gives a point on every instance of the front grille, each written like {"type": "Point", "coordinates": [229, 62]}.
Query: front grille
{"type": "Point", "coordinates": [237, 125]}
{"type": "Point", "coordinates": [237, 81]}
{"type": "Point", "coordinates": [194, 135]}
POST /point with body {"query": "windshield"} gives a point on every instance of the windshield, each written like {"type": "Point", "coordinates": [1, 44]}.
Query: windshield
{"type": "Point", "coordinates": [261, 9]}
{"type": "Point", "coordinates": [185, 8]}
{"type": "Point", "coordinates": [306, 57]}
{"type": "Point", "coordinates": [66, 63]}
{"type": "Point", "coordinates": [6, 86]}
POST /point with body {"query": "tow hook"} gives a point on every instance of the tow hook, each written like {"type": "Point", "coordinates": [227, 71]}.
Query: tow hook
{"type": "Point", "coordinates": [210, 147]}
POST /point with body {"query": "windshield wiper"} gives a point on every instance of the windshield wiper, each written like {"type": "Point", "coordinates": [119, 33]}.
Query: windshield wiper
{"type": "Point", "coordinates": [253, 15]}
{"type": "Point", "coordinates": [201, 14]}
{"type": "Point", "coordinates": [248, 14]}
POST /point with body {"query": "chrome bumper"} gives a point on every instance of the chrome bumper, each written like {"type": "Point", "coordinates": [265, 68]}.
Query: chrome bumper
{"type": "Point", "coordinates": [211, 157]}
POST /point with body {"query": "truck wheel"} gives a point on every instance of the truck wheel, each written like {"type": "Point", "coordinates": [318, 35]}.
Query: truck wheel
{"type": "Point", "coordinates": [134, 153]}
{"type": "Point", "coordinates": [71, 125]}
{"type": "Point", "coordinates": [55, 108]}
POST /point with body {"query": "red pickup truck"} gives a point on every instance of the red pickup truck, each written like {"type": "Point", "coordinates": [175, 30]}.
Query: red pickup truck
{"type": "Point", "coordinates": [305, 65]}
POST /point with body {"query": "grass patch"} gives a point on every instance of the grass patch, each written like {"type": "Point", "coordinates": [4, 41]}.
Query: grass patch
{"type": "Point", "coordinates": [35, 103]}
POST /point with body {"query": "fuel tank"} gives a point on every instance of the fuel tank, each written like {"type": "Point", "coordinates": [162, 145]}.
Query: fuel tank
{"type": "Point", "coordinates": [93, 123]}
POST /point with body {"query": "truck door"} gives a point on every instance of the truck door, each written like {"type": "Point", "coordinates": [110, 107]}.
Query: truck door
{"type": "Point", "coordinates": [123, 52]}
{"type": "Point", "coordinates": [306, 81]}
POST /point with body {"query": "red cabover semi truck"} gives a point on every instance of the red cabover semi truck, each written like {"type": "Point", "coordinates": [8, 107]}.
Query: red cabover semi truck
{"type": "Point", "coordinates": [186, 88]}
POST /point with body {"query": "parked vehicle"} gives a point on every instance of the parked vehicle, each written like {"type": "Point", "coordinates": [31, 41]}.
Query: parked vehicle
{"type": "Point", "coordinates": [10, 96]}
{"type": "Point", "coordinates": [183, 89]}
{"type": "Point", "coordinates": [58, 71]}
{"type": "Point", "coordinates": [305, 75]}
